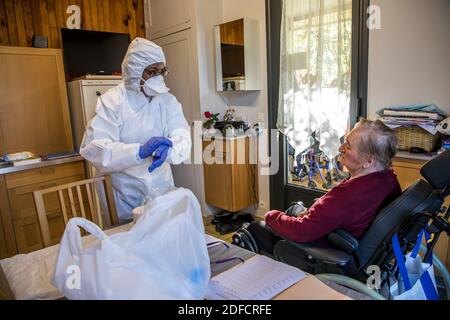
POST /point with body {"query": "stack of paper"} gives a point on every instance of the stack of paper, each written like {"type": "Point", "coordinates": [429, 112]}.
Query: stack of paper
{"type": "Point", "coordinates": [258, 278]}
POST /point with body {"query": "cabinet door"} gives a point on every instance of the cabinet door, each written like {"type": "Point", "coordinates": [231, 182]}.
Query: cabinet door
{"type": "Point", "coordinates": [7, 239]}
{"type": "Point", "coordinates": [163, 17]}
{"type": "Point", "coordinates": [232, 32]}
{"type": "Point", "coordinates": [244, 176]}
{"type": "Point", "coordinates": [217, 176]}
{"type": "Point", "coordinates": [34, 113]}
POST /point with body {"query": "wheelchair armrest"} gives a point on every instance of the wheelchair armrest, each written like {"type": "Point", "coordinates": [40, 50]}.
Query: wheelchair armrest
{"type": "Point", "coordinates": [342, 240]}
{"type": "Point", "coordinates": [313, 250]}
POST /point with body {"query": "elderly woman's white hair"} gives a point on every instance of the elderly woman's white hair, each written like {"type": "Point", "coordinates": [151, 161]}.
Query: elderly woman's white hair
{"type": "Point", "coordinates": [140, 54]}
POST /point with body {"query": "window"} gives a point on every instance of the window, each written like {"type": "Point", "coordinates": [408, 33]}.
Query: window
{"type": "Point", "coordinates": [322, 58]}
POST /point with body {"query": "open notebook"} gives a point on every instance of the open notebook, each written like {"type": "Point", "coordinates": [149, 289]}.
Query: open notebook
{"type": "Point", "coordinates": [258, 278]}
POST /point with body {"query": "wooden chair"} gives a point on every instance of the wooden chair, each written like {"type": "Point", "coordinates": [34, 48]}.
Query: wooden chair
{"type": "Point", "coordinates": [102, 183]}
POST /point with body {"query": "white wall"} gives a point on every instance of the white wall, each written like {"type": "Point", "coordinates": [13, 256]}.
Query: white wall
{"type": "Point", "coordinates": [248, 104]}
{"type": "Point", "coordinates": [409, 58]}
{"type": "Point", "coordinates": [251, 104]}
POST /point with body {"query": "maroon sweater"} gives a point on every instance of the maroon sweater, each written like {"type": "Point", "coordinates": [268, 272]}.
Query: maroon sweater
{"type": "Point", "coordinates": [352, 206]}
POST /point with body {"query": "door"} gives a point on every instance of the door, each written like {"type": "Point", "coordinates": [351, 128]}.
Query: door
{"type": "Point", "coordinates": [182, 80]}
{"type": "Point", "coordinates": [164, 17]}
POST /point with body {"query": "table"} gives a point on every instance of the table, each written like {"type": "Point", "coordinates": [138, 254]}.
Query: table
{"type": "Point", "coordinates": [38, 267]}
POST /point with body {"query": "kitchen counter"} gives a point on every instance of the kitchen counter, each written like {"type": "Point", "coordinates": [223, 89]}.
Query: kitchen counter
{"type": "Point", "coordinates": [10, 168]}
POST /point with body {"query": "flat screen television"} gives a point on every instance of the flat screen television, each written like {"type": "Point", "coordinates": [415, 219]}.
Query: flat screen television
{"type": "Point", "coordinates": [93, 52]}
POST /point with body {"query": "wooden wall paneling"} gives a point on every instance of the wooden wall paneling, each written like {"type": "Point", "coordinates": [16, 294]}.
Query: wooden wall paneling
{"type": "Point", "coordinates": [115, 15]}
{"type": "Point", "coordinates": [94, 15]}
{"type": "Point", "coordinates": [86, 15]}
{"type": "Point", "coordinates": [125, 16]}
{"type": "Point", "coordinates": [12, 27]}
{"type": "Point", "coordinates": [132, 21]}
{"type": "Point", "coordinates": [4, 34]}
{"type": "Point", "coordinates": [107, 14]}
{"type": "Point", "coordinates": [37, 24]}
{"type": "Point", "coordinates": [141, 19]}
{"type": "Point", "coordinates": [28, 21]}
{"type": "Point", "coordinates": [43, 12]}
{"type": "Point", "coordinates": [21, 19]}
{"type": "Point", "coordinates": [60, 13]}
{"type": "Point", "coordinates": [20, 22]}
{"type": "Point", "coordinates": [100, 15]}
{"type": "Point", "coordinates": [54, 39]}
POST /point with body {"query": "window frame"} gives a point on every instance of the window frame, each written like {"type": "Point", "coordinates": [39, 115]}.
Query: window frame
{"type": "Point", "coordinates": [358, 97]}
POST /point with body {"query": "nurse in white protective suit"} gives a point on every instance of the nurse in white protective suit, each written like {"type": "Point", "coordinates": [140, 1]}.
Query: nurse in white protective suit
{"type": "Point", "coordinates": [139, 130]}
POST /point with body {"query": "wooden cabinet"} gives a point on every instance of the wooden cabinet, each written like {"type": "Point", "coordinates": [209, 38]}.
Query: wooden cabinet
{"type": "Point", "coordinates": [34, 113]}
{"type": "Point", "coordinates": [7, 240]}
{"type": "Point", "coordinates": [164, 17]}
{"type": "Point", "coordinates": [408, 171]}
{"type": "Point", "coordinates": [232, 32]}
{"type": "Point", "coordinates": [230, 174]}
{"type": "Point", "coordinates": [23, 226]}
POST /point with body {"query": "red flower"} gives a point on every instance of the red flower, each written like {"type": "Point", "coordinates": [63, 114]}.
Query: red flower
{"type": "Point", "coordinates": [208, 114]}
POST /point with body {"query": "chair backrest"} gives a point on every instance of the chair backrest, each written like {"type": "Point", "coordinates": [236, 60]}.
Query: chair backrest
{"type": "Point", "coordinates": [77, 201]}
{"type": "Point", "coordinates": [415, 200]}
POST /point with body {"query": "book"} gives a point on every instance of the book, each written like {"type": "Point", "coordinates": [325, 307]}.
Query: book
{"type": "Point", "coordinates": [26, 161]}
{"type": "Point", "coordinates": [413, 114]}
{"type": "Point", "coordinates": [258, 278]}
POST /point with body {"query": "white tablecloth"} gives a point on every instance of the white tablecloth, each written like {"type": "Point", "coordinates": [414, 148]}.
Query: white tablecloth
{"type": "Point", "coordinates": [29, 275]}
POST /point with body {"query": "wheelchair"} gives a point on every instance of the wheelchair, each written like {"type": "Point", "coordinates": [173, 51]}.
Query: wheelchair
{"type": "Point", "coordinates": [419, 207]}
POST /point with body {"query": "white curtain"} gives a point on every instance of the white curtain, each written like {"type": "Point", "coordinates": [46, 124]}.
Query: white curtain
{"type": "Point", "coordinates": [315, 73]}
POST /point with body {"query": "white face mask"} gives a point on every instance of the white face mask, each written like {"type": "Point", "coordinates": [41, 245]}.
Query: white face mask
{"type": "Point", "coordinates": [154, 86]}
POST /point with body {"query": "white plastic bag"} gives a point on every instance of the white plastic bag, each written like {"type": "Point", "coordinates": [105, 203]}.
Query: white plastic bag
{"type": "Point", "coordinates": [163, 256]}
{"type": "Point", "coordinates": [416, 280]}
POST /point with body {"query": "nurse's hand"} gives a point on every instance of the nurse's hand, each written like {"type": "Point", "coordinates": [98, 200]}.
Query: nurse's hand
{"type": "Point", "coordinates": [151, 145]}
{"type": "Point", "coordinates": [159, 157]}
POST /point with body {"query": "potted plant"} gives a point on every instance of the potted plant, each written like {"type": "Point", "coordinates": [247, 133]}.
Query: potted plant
{"type": "Point", "coordinates": [211, 118]}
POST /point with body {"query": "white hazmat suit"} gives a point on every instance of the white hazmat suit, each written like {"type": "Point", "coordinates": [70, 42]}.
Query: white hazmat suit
{"type": "Point", "coordinates": [125, 119]}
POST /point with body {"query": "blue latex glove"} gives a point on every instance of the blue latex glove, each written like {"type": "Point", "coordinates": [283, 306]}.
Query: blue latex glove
{"type": "Point", "coordinates": [159, 157]}
{"type": "Point", "coordinates": [151, 145]}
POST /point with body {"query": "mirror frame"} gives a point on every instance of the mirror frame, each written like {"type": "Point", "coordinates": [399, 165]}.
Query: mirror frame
{"type": "Point", "coordinates": [252, 56]}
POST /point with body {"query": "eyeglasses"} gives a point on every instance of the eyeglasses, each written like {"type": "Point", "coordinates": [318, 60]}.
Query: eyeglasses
{"type": "Point", "coordinates": [212, 244]}
{"type": "Point", "coordinates": [163, 72]}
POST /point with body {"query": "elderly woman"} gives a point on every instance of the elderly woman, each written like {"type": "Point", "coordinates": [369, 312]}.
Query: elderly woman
{"type": "Point", "coordinates": [353, 204]}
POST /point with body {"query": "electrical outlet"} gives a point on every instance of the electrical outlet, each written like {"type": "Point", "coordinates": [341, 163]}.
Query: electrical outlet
{"type": "Point", "coordinates": [260, 117]}
{"type": "Point", "coordinates": [262, 204]}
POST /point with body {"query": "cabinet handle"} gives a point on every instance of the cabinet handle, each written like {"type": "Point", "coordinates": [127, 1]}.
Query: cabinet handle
{"type": "Point", "coordinates": [98, 93]}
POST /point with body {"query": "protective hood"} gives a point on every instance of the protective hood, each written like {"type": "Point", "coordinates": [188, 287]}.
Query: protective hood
{"type": "Point", "coordinates": [140, 54]}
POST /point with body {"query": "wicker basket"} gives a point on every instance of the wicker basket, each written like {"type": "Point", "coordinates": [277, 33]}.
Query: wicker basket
{"type": "Point", "coordinates": [415, 137]}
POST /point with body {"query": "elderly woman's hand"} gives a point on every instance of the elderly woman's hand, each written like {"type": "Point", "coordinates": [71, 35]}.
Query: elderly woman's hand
{"type": "Point", "coordinates": [296, 209]}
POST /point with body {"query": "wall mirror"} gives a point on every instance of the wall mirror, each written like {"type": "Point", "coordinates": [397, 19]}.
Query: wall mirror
{"type": "Point", "coordinates": [238, 55]}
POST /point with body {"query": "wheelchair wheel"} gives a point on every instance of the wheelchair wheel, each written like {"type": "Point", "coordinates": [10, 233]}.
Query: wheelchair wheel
{"type": "Point", "coordinates": [243, 238]}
